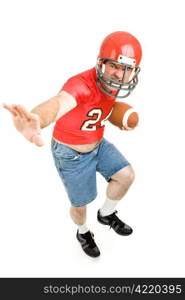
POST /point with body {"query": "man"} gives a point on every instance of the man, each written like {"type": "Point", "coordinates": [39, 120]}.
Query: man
{"type": "Point", "coordinates": [79, 150]}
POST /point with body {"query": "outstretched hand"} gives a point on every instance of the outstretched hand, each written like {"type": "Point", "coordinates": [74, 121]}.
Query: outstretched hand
{"type": "Point", "coordinates": [28, 124]}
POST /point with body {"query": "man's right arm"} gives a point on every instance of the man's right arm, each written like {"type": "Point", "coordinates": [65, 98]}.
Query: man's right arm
{"type": "Point", "coordinates": [29, 124]}
{"type": "Point", "coordinates": [54, 108]}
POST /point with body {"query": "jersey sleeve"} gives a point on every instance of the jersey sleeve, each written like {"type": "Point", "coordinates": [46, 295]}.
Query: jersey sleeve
{"type": "Point", "coordinates": [77, 88]}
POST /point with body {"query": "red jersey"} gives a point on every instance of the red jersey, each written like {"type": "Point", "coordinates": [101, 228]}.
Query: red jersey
{"type": "Point", "coordinates": [85, 123]}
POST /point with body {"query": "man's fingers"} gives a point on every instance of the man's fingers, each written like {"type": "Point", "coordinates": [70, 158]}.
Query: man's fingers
{"type": "Point", "coordinates": [10, 109]}
{"type": "Point", "coordinates": [37, 140]}
{"type": "Point", "coordinates": [24, 112]}
{"type": "Point", "coordinates": [21, 111]}
{"type": "Point", "coordinates": [18, 111]}
{"type": "Point", "coordinates": [6, 106]}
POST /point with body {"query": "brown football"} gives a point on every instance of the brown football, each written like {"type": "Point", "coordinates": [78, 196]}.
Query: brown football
{"type": "Point", "coordinates": [124, 116]}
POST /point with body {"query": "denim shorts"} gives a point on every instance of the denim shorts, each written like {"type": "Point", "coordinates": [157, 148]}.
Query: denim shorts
{"type": "Point", "coordinates": [78, 170]}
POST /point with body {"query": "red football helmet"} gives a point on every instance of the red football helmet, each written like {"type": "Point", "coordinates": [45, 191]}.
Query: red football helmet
{"type": "Point", "coordinates": [124, 49]}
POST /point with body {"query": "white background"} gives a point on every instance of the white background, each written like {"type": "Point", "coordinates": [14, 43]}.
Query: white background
{"type": "Point", "coordinates": [43, 43]}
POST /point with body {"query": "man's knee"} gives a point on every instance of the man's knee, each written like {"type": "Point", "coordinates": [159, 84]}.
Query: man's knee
{"type": "Point", "coordinates": [78, 210]}
{"type": "Point", "coordinates": [124, 176]}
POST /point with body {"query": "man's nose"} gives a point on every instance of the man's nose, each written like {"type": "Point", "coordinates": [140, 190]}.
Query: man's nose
{"type": "Point", "coordinates": [119, 74]}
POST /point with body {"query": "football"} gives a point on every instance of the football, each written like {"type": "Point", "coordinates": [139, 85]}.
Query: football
{"type": "Point", "coordinates": [124, 116]}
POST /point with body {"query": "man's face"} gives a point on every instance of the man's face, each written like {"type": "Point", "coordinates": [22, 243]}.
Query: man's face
{"type": "Point", "coordinates": [116, 72]}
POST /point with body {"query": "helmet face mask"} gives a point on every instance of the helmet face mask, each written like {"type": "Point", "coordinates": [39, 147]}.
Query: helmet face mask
{"type": "Point", "coordinates": [108, 84]}
{"type": "Point", "coordinates": [121, 50]}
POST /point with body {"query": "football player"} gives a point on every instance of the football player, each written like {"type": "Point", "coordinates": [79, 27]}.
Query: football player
{"type": "Point", "coordinates": [80, 111]}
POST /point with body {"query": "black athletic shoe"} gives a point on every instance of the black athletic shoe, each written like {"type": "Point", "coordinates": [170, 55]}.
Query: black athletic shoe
{"type": "Point", "coordinates": [88, 244]}
{"type": "Point", "coordinates": [115, 223]}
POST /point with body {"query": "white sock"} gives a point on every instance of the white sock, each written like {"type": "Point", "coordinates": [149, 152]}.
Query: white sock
{"type": "Point", "coordinates": [108, 207]}
{"type": "Point", "coordinates": [83, 228]}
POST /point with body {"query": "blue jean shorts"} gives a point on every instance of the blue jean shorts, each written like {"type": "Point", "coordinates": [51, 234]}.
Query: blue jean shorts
{"type": "Point", "coordinates": [78, 170]}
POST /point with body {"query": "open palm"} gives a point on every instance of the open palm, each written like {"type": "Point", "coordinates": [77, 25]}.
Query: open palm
{"type": "Point", "coordinates": [28, 124]}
